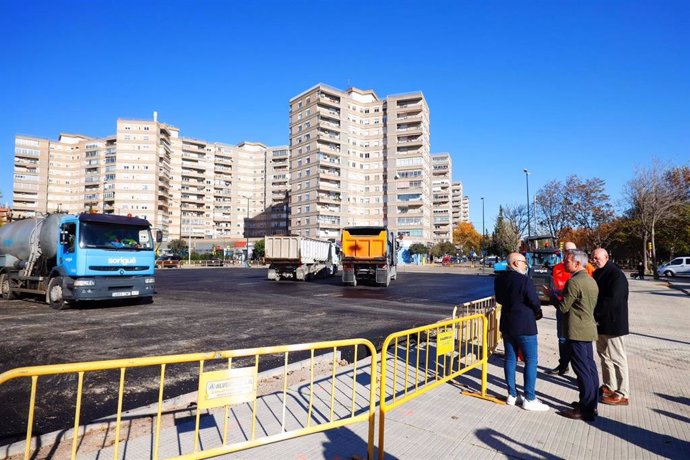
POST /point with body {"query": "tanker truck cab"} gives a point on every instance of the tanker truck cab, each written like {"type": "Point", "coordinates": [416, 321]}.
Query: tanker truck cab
{"type": "Point", "coordinates": [87, 257]}
{"type": "Point", "coordinates": [103, 257]}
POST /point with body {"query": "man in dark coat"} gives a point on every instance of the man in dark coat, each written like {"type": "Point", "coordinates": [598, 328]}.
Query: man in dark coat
{"type": "Point", "coordinates": [611, 315]}
{"type": "Point", "coordinates": [520, 309]}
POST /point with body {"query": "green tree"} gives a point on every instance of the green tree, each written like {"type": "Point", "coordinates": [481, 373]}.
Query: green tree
{"type": "Point", "coordinates": [178, 246]}
{"type": "Point", "coordinates": [444, 248]}
{"type": "Point", "coordinates": [507, 230]}
{"type": "Point", "coordinates": [259, 249]}
{"type": "Point", "coordinates": [418, 248]}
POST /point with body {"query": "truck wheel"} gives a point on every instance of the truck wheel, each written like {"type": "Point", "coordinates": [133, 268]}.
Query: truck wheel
{"type": "Point", "coordinates": [54, 295]}
{"type": "Point", "coordinates": [5, 289]}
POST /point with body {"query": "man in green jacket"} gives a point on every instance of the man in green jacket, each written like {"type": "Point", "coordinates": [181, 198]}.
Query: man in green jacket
{"type": "Point", "coordinates": [579, 299]}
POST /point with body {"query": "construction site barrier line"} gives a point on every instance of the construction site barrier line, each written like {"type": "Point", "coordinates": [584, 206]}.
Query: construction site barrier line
{"type": "Point", "coordinates": [469, 335]}
{"type": "Point", "coordinates": [308, 427]}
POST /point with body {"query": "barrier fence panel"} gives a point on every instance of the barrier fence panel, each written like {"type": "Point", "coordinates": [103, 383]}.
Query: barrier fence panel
{"type": "Point", "coordinates": [229, 396]}
{"type": "Point", "coordinates": [417, 360]}
{"type": "Point", "coordinates": [491, 310]}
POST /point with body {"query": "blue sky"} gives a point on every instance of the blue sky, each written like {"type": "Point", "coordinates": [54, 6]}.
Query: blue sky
{"type": "Point", "coordinates": [559, 87]}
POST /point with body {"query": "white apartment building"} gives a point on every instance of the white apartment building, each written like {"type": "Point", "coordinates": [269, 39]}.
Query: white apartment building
{"type": "Point", "coordinates": [461, 205]}
{"type": "Point", "coordinates": [357, 159]}
{"type": "Point", "coordinates": [188, 188]}
{"type": "Point", "coordinates": [441, 189]}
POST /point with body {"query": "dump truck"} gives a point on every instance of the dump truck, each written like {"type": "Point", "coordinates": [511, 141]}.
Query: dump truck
{"type": "Point", "coordinates": [299, 258]}
{"type": "Point", "coordinates": [74, 258]}
{"type": "Point", "coordinates": [369, 253]}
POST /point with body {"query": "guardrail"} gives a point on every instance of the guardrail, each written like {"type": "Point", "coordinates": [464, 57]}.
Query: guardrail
{"type": "Point", "coordinates": [435, 354]}
{"type": "Point", "coordinates": [321, 405]}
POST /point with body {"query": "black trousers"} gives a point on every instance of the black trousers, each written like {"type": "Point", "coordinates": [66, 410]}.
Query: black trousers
{"type": "Point", "coordinates": [582, 361]}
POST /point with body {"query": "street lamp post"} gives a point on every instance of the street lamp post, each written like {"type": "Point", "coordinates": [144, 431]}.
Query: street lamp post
{"type": "Point", "coordinates": [246, 233]}
{"type": "Point", "coordinates": [529, 229]}
{"type": "Point", "coordinates": [483, 232]}
{"type": "Point", "coordinates": [189, 245]}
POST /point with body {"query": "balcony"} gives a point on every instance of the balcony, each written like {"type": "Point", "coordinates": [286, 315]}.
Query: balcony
{"type": "Point", "coordinates": [329, 209]}
{"type": "Point", "coordinates": [410, 140]}
{"type": "Point", "coordinates": [329, 99]}
{"type": "Point", "coordinates": [329, 184]}
{"type": "Point", "coordinates": [329, 146]}
{"type": "Point", "coordinates": [329, 172]}
{"type": "Point", "coordinates": [328, 198]}
{"type": "Point", "coordinates": [328, 112]}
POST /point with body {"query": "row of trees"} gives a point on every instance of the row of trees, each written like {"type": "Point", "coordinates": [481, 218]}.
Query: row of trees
{"type": "Point", "coordinates": [653, 222]}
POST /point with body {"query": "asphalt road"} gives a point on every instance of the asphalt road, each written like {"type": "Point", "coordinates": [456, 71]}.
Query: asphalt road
{"type": "Point", "coordinates": [199, 310]}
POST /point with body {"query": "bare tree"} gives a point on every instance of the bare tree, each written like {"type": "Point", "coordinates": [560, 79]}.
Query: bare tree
{"type": "Point", "coordinates": [551, 202]}
{"type": "Point", "coordinates": [516, 219]}
{"type": "Point", "coordinates": [589, 208]}
{"type": "Point", "coordinates": [651, 199]}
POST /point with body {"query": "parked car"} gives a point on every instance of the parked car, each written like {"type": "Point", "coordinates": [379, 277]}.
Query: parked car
{"type": "Point", "coordinates": [169, 261]}
{"type": "Point", "coordinates": [680, 266]}
{"type": "Point", "coordinates": [489, 261]}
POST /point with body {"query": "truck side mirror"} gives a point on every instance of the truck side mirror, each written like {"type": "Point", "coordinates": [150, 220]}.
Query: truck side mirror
{"type": "Point", "coordinates": [64, 238]}
{"type": "Point", "coordinates": [159, 236]}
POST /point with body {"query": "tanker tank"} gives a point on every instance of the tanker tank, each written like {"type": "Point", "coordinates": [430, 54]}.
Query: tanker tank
{"type": "Point", "coordinates": [15, 237]}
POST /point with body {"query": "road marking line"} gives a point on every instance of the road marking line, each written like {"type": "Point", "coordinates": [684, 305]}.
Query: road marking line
{"type": "Point", "coordinates": [321, 295]}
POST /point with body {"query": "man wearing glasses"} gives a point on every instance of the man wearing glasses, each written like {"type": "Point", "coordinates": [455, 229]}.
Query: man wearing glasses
{"type": "Point", "coordinates": [520, 310]}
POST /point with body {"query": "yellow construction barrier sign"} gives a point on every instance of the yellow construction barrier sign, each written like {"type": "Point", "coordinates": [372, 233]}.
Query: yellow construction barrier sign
{"type": "Point", "coordinates": [230, 386]}
{"type": "Point", "coordinates": [445, 341]}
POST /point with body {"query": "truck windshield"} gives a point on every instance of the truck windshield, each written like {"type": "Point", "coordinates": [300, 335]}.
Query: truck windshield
{"type": "Point", "coordinates": [108, 236]}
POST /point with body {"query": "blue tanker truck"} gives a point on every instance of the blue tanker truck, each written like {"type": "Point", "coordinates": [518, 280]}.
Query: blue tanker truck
{"type": "Point", "coordinates": [74, 258]}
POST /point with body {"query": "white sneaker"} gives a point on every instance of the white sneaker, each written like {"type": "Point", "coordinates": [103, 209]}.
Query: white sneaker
{"type": "Point", "coordinates": [513, 400]}
{"type": "Point", "coordinates": [534, 405]}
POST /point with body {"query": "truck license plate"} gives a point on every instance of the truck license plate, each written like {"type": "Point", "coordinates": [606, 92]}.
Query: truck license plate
{"type": "Point", "coordinates": [122, 294]}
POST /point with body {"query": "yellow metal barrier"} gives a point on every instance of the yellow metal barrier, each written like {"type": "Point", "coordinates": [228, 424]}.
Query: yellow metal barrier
{"type": "Point", "coordinates": [428, 356]}
{"type": "Point", "coordinates": [488, 307]}
{"type": "Point", "coordinates": [324, 403]}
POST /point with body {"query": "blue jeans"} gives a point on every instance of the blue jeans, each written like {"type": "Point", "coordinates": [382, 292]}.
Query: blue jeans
{"type": "Point", "coordinates": [528, 345]}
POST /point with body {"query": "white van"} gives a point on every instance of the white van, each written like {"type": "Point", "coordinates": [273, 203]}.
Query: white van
{"type": "Point", "coordinates": [677, 267]}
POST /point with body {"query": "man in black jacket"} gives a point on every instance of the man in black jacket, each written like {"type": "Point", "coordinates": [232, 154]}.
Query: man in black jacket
{"type": "Point", "coordinates": [520, 310]}
{"type": "Point", "coordinates": [611, 315]}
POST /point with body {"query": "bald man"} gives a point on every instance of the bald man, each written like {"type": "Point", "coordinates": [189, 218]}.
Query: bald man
{"type": "Point", "coordinates": [611, 314]}
{"type": "Point", "coordinates": [520, 309]}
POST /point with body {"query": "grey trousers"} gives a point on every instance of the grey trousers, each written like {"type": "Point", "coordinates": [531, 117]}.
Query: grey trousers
{"type": "Point", "coordinates": [614, 364]}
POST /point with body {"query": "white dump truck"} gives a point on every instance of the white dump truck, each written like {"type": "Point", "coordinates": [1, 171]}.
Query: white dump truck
{"type": "Point", "coordinates": [300, 258]}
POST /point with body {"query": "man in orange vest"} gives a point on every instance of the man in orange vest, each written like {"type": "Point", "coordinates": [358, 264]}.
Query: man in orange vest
{"type": "Point", "coordinates": [560, 277]}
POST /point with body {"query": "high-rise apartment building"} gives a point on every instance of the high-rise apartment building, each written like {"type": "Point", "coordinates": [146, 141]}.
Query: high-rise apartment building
{"type": "Point", "coordinates": [357, 159]}
{"type": "Point", "coordinates": [441, 189]}
{"type": "Point", "coordinates": [461, 205]}
{"type": "Point", "coordinates": [188, 188]}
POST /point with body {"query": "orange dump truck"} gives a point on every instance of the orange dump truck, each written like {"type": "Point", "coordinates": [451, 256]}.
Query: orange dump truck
{"type": "Point", "coordinates": [368, 253]}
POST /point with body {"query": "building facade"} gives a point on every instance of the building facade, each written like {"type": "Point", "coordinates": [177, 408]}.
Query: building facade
{"type": "Point", "coordinates": [353, 159]}
{"type": "Point", "coordinates": [188, 188]}
{"type": "Point", "coordinates": [442, 194]}
{"type": "Point", "coordinates": [461, 205]}
{"type": "Point", "coordinates": [357, 159]}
